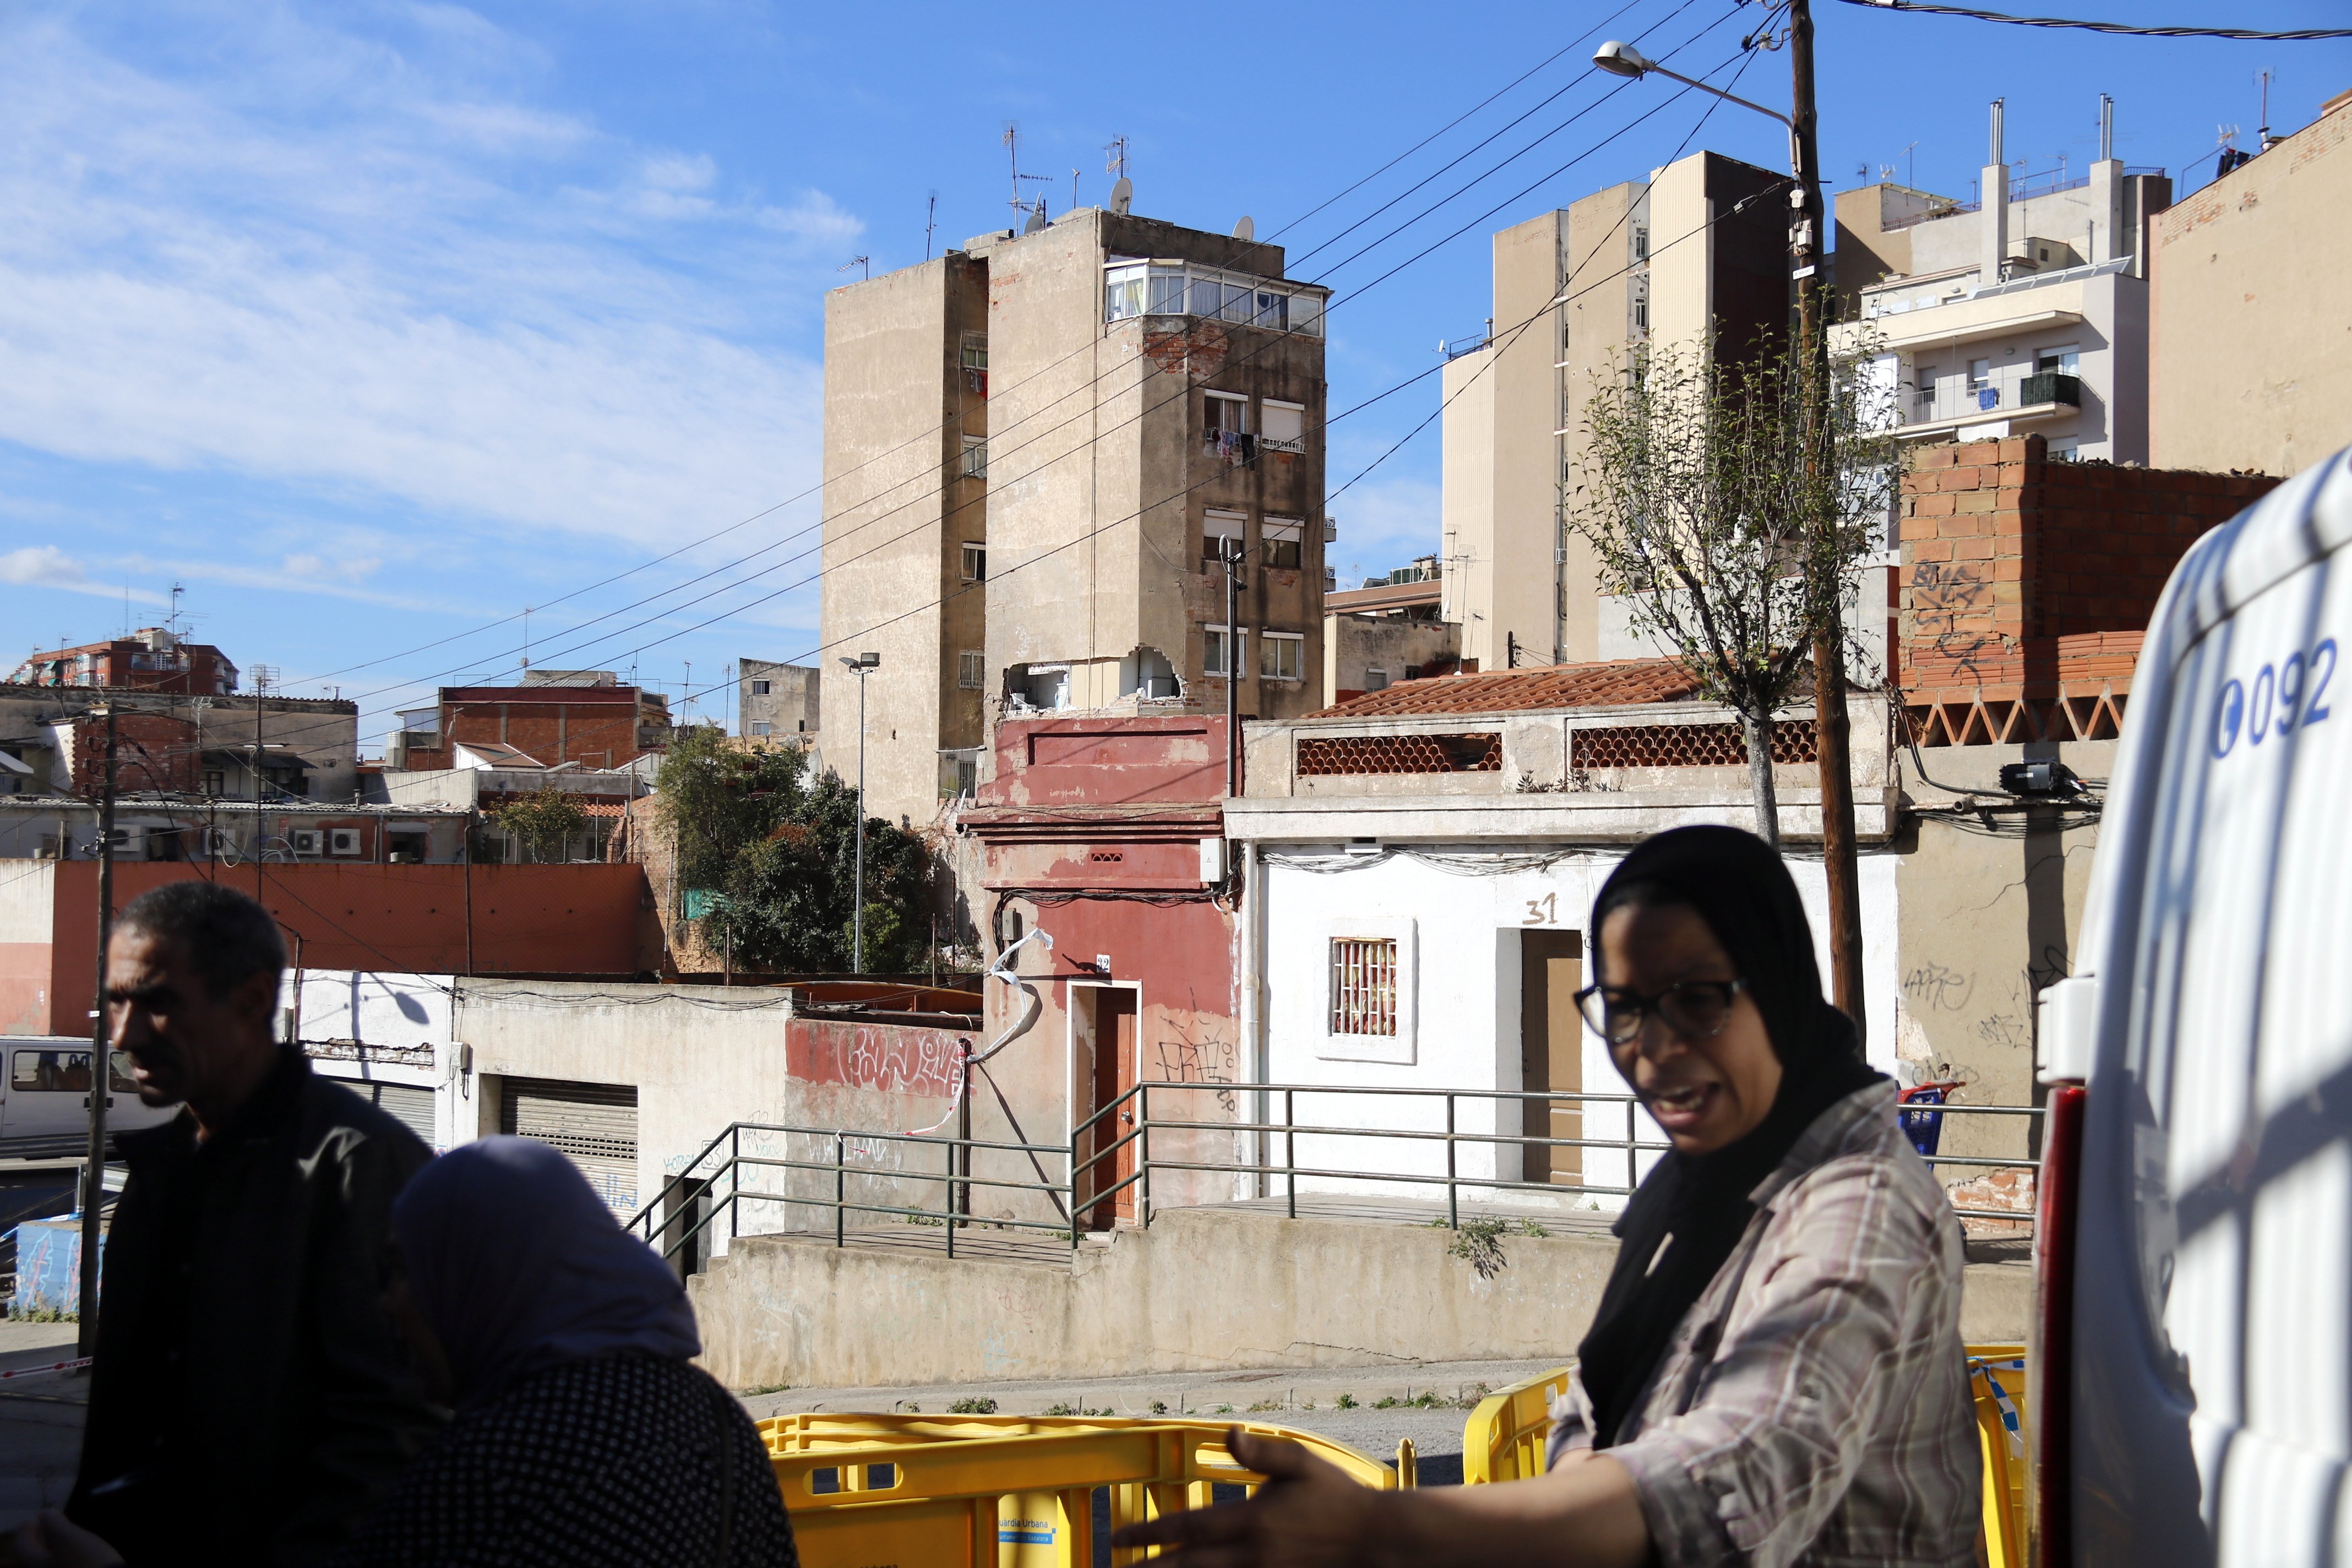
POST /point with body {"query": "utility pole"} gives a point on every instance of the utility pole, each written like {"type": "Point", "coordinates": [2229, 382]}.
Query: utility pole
{"type": "Point", "coordinates": [1233, 669]}
{"type": "Point", "coordinates": [1832, 735]}
{"type": "Point", "coordinates": [860, 666]}
{"type": "Point", "coordinates": [101, 1065]}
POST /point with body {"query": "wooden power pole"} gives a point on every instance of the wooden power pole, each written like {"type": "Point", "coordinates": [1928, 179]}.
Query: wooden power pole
{"type": "Point", "coordinates": [1833, 744]}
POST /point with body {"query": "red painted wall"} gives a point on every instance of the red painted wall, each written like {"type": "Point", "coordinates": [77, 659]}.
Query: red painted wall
{"type": "Point", "coordinates": [582, 919]}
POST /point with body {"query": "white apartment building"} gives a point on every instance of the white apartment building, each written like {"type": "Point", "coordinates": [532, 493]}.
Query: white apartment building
{"type": "Point", "coordinates": [2025, 312]}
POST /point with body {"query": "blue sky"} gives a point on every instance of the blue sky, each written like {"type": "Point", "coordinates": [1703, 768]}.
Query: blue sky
{"type": "Point", "coordinates": [373, 324]}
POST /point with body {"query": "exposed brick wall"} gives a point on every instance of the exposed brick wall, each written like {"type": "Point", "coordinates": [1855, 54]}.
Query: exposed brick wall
{"type": "Point", "coordinates": [152, 751]}
{"type": "Point", "coordinates": [2005, 554]}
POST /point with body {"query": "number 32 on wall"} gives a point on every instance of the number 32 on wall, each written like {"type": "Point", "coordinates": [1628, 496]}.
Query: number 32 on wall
{"type": "Point", "coordinates": [1543, 911]}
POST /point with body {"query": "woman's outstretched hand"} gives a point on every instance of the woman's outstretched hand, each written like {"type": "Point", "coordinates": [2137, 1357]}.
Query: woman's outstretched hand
{"type": "Point", "coordinates": [1307, 1515]}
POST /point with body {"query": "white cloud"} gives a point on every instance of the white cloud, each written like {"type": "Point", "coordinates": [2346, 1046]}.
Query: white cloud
{"type": "Point", "coordinates": [47, 566]}
{"type": "Point", "coordinates": [385, 270]}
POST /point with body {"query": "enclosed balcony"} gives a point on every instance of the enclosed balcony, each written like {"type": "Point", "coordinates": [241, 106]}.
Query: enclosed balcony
{"type": "Point", "coordinates": [1133, 288]}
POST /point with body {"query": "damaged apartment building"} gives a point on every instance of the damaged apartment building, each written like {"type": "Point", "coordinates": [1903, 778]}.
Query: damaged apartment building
{"type": "Point", "coordinates": [1040, 452]}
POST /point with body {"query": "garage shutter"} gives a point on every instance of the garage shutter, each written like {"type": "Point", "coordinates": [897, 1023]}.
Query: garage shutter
{"type": "Point", "coordinates": [594, 1124]}
{"type": "Point", "coordinates": [407, 1103]}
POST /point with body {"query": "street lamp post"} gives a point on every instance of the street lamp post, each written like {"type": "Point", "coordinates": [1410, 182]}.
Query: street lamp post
{"type": "Point", "coordinates": [1831, 731]}
{"type": "Point", "coordinates": [860, 666]}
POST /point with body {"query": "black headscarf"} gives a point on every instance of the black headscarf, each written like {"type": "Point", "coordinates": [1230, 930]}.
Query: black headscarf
{"type": "Point", "coordinates": [1687, 1217]}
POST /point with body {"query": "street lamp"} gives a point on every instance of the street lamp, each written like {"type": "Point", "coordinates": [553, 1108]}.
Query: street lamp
{"type": "Point", "coordinates": [860, 666]}
{"type": "Point", "coordinates": [1832, 741]}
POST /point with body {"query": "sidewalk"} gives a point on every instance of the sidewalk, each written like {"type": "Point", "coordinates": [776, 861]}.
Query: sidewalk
{"type": "Point", "coordinates": [40, 1420]}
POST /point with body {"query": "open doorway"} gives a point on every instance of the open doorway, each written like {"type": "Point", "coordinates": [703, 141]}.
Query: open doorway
{"type": "Point", "coordinates": [1103, 1063]}
{"type": "Point", "coordinates": [1551, 1052]}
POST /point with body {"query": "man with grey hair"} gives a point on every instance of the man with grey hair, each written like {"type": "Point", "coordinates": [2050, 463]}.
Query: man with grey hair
{"type": "Point", "coordinates": [250, 1400]}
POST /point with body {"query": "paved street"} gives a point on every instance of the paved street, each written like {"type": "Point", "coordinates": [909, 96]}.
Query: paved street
{"type": "Point", "coordinates": [40, 1419]}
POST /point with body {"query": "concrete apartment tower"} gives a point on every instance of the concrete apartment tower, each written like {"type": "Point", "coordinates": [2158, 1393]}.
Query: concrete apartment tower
{"type": "Point", "coordinates": [1060, 434]}
{"type": "Point", "coordinates": [1696, 254]}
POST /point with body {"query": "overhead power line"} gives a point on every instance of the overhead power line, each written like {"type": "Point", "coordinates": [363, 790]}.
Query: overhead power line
{"type": "Point", "coordinates": [2123, 29]}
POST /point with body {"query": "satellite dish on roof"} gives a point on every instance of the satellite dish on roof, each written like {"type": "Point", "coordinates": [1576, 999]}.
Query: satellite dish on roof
{"type": "Point", "coordinates": [1036, 224]}
{"type": "Point", "coordinates": [1245, 230]}
{"type": "Point", "coordinates": [1122, 196]}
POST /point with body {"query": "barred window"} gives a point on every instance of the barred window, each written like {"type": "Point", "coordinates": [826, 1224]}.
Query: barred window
{"type": "Point", "coordinates": [968, 665]}
{"type": "Point", "coordinates": [1363, 985]}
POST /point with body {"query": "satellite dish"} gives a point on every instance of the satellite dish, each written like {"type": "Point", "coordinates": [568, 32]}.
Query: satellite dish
{"type": "Point", "coordinates": [1245, 230]}
{"type": "Point", "coordinates": [1036, 224]}
{"type": "Point", "coordinates": [1122, 196]}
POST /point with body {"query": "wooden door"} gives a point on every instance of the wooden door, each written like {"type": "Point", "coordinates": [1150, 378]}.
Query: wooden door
{"type": "Point", "coordinates": [1551, 1051]}
{"type": "Point", "coordinates": [1109, 1038]}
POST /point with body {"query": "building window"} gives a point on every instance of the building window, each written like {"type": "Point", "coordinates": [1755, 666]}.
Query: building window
{"type": "Point", "coordinates": [1640, 242]}
{"type": "Point", "coordinates": [975, 351]}
{"type": "Point", "coordinates": [1223, 539]}
{"type": "Point", "coordinates": [1363, 985]}
{"type": "Point", "coordinates": [1282, 538]}
{"type": "Point", "coordinates": [1225, 427]}
{"type": "Point", "coordinates": [1213, 649]}
{"type": "Point", "coordinates": [216, 782]}
{"type": "Point", "coordinates": [1642, 304]}
{"type": "Point", "coordinates": [975, 563]}
{"type": "Point", "coordinates": [1286, 426]}
{"type": "Point", "coordinates": [1923, 380]}
{"type": "Point", "coordinates": [759, 689]}
{"type": "Point", "coordinates": [2066, 359]}
{"type": "Point", "coordinates": [1281, 656]}
{"type": "Point", "coordinates": [975, 457]}
{"type": "Point", "coordinates": [1979, 375]}
{"type": "Point", "coordinates": [761, 727]}
{"type": "Point", "coordinates": [1376, 681]}
{"type": "Point", "coordinates": [968, 665]}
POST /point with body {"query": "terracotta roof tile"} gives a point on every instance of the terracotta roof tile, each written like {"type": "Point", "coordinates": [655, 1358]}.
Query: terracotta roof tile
{"type": "Point", "coordinates": [1621, 683]}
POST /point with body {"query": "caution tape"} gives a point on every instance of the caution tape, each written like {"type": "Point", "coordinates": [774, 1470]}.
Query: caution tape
{"type": "Point", "coordinates": [53, 1366]}
{"type": "Point", "coordinates": [2000, 1398]}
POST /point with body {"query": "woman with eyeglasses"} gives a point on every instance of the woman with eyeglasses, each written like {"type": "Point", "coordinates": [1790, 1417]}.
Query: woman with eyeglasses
{"type": "Point", "coordinates": [1775, 1372]}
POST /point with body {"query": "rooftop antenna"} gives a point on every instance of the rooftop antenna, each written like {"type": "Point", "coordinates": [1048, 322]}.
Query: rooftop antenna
{"type": "Point", "coordinates": [526, 636]}
{"type": "Point", "coordinates": [866, 263]}
{"type": "Point", "coordinates": [173, 624]}
{"type": "Point", "coordinates": [1911, 166]}
{"type": "Point", "coordinates": [1034, 215]}
{"type": "Point", "coordinates": [1115, 157]}
{"type": "Point", "coordinates": [930, 224]}
{"type": "Point", "coordinates": [1073, 191]}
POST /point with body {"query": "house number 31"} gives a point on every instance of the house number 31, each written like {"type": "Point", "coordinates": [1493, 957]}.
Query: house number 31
{"type": "Point", "coordinates": [1543, 911]}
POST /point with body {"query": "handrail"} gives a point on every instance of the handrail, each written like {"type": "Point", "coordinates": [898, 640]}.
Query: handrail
{"type": "Point", "coordinates": [724, 1176]}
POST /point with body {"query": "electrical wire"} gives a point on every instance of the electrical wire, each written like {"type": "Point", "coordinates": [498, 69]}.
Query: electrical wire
{"type": "Point", "coordinates": [2123, 29]}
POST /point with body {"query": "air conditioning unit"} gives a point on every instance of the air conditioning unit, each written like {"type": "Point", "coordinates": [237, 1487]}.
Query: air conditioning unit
{"type": "Point", "coordinates": [219, 844]}
{"type": "Point", "coordinates": [342, 841]}
{"type": "Point", "coordinates": [306, 840]}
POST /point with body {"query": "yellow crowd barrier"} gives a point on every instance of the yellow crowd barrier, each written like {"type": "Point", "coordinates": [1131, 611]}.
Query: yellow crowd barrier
{"type": "Point", "coordinates": [1004, 1491]}
{"type": "Point", "coordinates": [1504, 1440]}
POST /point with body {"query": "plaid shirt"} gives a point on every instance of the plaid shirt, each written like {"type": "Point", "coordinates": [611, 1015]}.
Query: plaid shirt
{"type": "Point", "coordinates": [1812, 1407]}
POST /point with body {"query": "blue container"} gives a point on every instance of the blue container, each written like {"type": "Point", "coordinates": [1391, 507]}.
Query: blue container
{"type": "Point", "coordinates": [48, 1266]}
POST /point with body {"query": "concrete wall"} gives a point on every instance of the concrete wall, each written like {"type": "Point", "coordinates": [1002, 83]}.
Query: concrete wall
{"type": "Point", "coordinates": [2253, 328]}
{"type": "Point", "coordinates": [1467, 505]}
{"type": "Point", "coordinates": [1355, 646]}
{"type": "Point", "coordinates": [1279, 1293]}
{"type": "Point", "coordinates": [791, 704]}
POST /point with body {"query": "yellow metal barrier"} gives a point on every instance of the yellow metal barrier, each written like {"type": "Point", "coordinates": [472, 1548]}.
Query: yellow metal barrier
{"type": "Point", "coordinates": [1503, 1439]}
{"type": "Point", "coordinates": [1997, 1384]}
{"type": "Point", "coordinates": [1003, 1491]}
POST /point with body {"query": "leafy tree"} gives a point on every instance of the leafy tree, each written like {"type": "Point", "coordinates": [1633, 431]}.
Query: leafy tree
{"type": "Point", "coordinates": [1733, 521]}
{"type": "Point", "coordinates": [781, 847]}
{"type": "Point", "coordinates": [546, 820]}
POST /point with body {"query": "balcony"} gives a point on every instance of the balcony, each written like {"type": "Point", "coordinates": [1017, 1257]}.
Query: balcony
{"type": "Point", "coordinates": [2015, 395]}
{"type": "Point", "coordinates": [1132, 289]}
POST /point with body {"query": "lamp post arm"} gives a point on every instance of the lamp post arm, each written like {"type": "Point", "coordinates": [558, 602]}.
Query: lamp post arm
{"type": "Point", "coordinates": [1727, 97]}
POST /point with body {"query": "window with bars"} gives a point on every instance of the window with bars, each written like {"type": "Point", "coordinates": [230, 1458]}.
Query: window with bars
{"type": "Point", "coordinates": [968, 665]}
{"type": "Point", "coordinates": [1363, 985]}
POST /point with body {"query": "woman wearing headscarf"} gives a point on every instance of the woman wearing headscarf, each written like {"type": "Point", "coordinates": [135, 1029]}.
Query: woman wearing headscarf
{"type": "Point", "coordinates": [581, 1435]}
{"type": "Point", "coordinates": [1775, 1372]}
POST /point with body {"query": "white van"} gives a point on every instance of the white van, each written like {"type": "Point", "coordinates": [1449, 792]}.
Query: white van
{"type": "Point", "coordinates": [45, 1096]}
{"type": "Point", "coordinates": [2194, 1326]}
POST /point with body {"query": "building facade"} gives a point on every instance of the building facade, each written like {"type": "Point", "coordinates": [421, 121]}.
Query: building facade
{"type": "Point", "coordinates": [1383, 633]}
{"type": "Point", "coordinates": [1697, 255]}
{"type": "Point", "coordinates": [774, 701]}
{"type": "Point", "coordinates": [1040, 451]}
{"type": "Point", "coordinates": [152, 658]}
{"type": "Point", "coordinates": [2251, 340]}
{"type": "Point", "coordinates": [2022, 311]}
{"type": "Point", "coordinates": [553, 717]}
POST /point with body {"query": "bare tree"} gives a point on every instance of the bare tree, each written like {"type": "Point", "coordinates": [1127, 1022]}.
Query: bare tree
{"type": "Point", "coordinates": [1709, 510]}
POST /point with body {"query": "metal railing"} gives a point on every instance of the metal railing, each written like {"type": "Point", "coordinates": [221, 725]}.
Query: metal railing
{"type": "Point", "coordinates": [1111, 1165]}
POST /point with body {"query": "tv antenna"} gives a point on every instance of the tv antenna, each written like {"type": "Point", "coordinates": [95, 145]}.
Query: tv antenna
{"type": "Point", "coordinates": [1115, 157]}
{"type": "Point", "coordinates": [930, 222]}
{"type": "Point", "coordinates": [866, 262]}
{"type": "Point", "coordinates": [1073, 191]}
{"type": "Point", "coordinates": [1034, 213]}
{"type": "Point", "coordinates": [173, 624]}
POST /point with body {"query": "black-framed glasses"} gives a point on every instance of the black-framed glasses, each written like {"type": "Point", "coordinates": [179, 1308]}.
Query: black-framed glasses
{"type": "Point", "coordinates": [1696, 1009]}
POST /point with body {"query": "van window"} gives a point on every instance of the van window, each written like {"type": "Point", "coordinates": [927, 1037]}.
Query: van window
{"type": "Point", "coordinates": [65, 1072]}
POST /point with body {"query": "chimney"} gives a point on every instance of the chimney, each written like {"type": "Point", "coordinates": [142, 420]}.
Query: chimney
{"type": "Point", "coordinates": [2108, 238]}
{"type": "Point", "coordinates": [1992, 231]}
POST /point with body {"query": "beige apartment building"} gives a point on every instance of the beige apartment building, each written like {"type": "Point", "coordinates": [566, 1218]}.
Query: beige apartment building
{"type": "Point", "coordinates": [1040, 451]}
{"type": "Point", "coordinates": [2250, 320]}
{"type": "Point", "coordinates": [1697, 254]}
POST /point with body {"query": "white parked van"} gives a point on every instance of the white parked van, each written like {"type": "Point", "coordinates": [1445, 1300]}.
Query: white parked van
{"type": "Point", "coordinates": [2194, 1330]}
{"type": "Point", "coordinates": [45, 1096]}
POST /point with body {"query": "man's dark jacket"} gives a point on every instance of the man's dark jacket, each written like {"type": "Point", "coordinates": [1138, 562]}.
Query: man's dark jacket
{"type": "Point", "coordinates": [250, 1402]}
